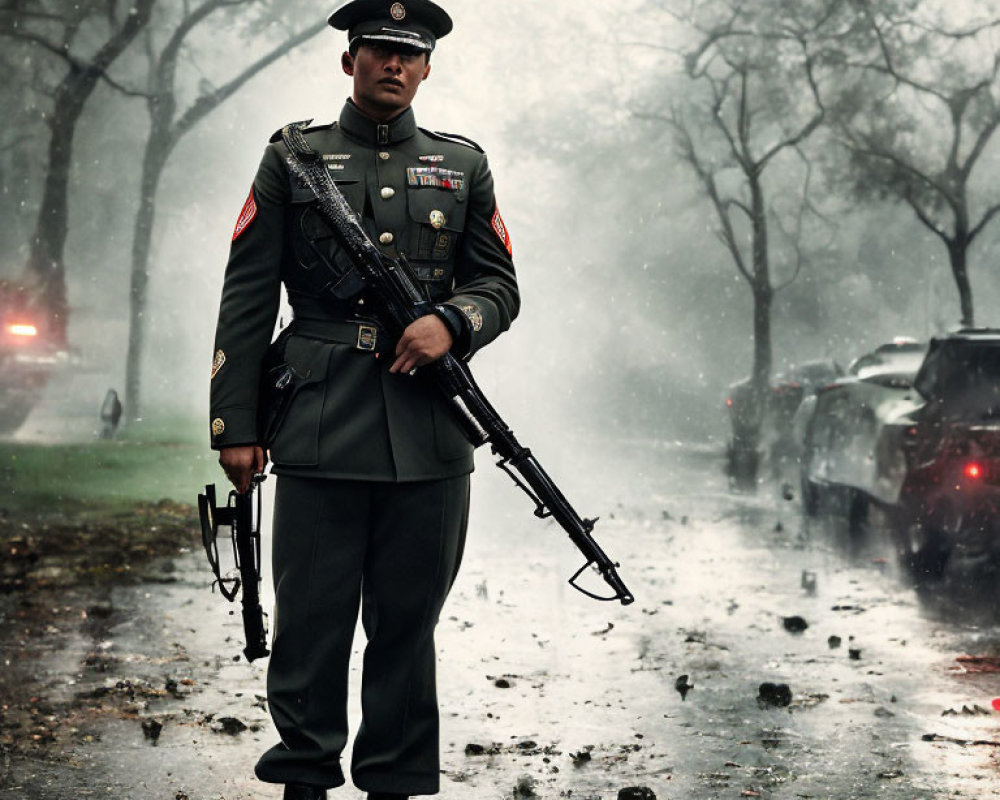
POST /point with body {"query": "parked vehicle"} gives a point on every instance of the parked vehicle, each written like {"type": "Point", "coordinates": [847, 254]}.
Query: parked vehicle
{"type": "Point", "coordinates": [851, 443]}
{"type": "Point", "coordinates": [923, 446]}
{"type": "Point", "coordinates": [949, 502]}
{"type": "Point", "coordinates": [901, 355]}
{"type": "Point", "coordinates": [767, 433]}
{"type": "Point", "coordinates": [742, 454]}
{"type": "Point", "coordinates": [28, 355]}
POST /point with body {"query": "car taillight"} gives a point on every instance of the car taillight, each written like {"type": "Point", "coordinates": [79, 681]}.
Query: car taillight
{"type": "Point", "coordinates": [22, 329]}
{"type": "Point", "coordinates": [974, 470]}
{"type": "Point", "coordinates": [729, 402]}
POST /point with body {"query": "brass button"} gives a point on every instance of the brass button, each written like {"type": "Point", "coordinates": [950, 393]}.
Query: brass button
{"type": "Point", "coordinates": [384, 155]}
{"type": "Point", "coordinates": [387, 238]}
{"type": "Point", "coordinates": [388, 192]}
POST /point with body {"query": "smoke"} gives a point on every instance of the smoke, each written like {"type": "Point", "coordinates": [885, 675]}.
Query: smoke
{"type": "Point", "coordinates": [634, 319]}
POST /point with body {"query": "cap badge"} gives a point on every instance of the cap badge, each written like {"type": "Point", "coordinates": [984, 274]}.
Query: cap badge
{"type": "Point", "coordinates": [438, 219]}
{"type": "Point", "coordinates": [398, 12]}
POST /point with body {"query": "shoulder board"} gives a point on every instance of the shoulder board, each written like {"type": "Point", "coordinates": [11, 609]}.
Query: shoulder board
{"type": "Point", "coordinates": [454, 138]}
{"type": "Point", "coordinates": [276, 137]}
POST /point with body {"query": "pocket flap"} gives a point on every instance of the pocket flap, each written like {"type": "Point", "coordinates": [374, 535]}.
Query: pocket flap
{"type": "Point", "coordinates": [309, 358]}
{"type": "Point", "coordinates": [426, 204]}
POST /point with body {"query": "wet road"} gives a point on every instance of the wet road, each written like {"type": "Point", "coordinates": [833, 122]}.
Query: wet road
{"type": "Point", "coordinates": [546, 691]}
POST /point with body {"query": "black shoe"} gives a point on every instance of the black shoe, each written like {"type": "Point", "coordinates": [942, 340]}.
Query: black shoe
{"type": "Point", "coordinates": [300, 791]}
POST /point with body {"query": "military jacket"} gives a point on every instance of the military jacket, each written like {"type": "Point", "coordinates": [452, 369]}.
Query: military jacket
{"type": "Point", "coordinates": [426, 195]}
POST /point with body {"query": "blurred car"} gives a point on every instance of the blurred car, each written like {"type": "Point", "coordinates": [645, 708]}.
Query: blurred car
{"type": "Point", "coordinates": [848, 431]}
{"type": "Point", "coordinates": [742, 454]}
{"type": "Point", "coordinates": [949, 502]}
{"type": "Point", "coordinates": [924, 446]}
{"type": "Point", "coordinates": [901, 355]}
{"type": "Point", "coordinates": [768, 430]}
{"type": "Point", "coordinates": [851, 442]}
{"type": "Point", "coordinates": [28, 356]}
{"type": "Point", "coordinates": [788, 391]}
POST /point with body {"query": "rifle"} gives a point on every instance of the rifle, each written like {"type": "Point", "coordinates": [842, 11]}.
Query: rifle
{"type": "Point", "coordinates": [400, 302]}
{"type": "Point", "coordinates": [244, 527]}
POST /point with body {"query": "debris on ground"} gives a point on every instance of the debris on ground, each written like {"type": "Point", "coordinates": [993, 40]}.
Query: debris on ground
{"type": "Point", "coordinates": [151, 729]}
{"type": "Point", "coordinates": [980, 664]}
{"type": "Point", "coordinates": [525, 786]}
{"type": "Point", "coordinates": [975, 710]}
{"type": "Point", "coordinates": [936, 737]}
{"type": "Point", "coordinates": [636, 793]}
{"type": "Point", "coordinates": [231, 726]}
{"type": "Point", "coordinates": [794, 624]}
{"type": "Point", "coordinates": [774, 694]}
{"type": "Point", "coordinates": [683, 685]}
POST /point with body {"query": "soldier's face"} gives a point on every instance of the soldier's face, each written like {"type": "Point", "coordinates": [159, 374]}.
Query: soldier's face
{"type": "Point", "coordinates": [385, 81]}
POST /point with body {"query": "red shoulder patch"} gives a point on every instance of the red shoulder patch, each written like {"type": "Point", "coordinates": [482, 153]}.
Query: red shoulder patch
{"type": "Point", "coordinates": [247, 215]}
{"type": "Point", "coordinates": [500, 229]}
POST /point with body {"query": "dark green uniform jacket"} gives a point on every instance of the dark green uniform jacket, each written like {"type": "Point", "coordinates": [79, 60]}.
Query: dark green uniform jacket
{"type": "Point", "coordinates": [428, 196]}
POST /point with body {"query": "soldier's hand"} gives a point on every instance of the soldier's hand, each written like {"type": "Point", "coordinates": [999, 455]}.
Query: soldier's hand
{"type": "Point", "coordinates": [241, 463]}
{"type": "Point", "coordinates": [424, 340]}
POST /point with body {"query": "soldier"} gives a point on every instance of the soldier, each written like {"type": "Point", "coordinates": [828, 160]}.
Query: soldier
{"type": "Point", "coordinates": [373, 472]}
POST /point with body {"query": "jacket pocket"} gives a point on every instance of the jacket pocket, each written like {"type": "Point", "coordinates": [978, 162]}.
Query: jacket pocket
{"type": "Point", "coordinates": [296, 441]}
{"type": "Point", "coordinates": [439, 215]}
{"type": "Point", "coordinates": [315, 246]}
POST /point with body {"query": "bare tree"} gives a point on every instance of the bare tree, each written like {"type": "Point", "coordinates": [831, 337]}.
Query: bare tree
{"type": "Point", "coordinates": [754, 103]}
{"type": "Point", "coordinates": [87, 37]}
{"type": "Point", "coordinates": [917, 112]}
{"type": "Point", "coordinates": [168, 124]}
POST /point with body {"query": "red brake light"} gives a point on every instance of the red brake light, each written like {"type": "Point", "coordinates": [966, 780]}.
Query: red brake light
{"type": "Point", "coordinates": [22, 329]}
{"type": "Point", "coordinates": [729, 402]}
{"type": "Point", "coordinates": [973, 470]}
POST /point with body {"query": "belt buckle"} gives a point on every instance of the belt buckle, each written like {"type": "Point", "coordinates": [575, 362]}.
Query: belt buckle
{"type": "Point", "coordinates": [367, 338]}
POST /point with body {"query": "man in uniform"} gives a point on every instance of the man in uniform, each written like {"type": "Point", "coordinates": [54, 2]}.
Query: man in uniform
{"type": "Point", "coordinates": [373, 471]}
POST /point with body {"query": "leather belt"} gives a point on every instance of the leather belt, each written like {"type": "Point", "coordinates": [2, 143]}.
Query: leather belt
{"type": "Point", "coordinates": [361, 335]}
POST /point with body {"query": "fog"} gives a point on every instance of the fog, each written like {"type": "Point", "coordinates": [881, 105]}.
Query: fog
{"type": "Point", "coordinates": [634, 320]}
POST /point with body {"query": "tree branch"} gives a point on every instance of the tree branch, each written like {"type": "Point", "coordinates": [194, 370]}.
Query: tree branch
{"type": "Point", "coordinates": [987, 218]}
{"type": "Point", "coordinates": [924, 217]}
{"type": "Point", "coordinates": [207, 102]}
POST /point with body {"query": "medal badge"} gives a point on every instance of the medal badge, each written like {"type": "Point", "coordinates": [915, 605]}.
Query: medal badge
{"type": "Point", "coordinates": [438, 219]}
{"type": "Point", "coordinates": [436, 177]}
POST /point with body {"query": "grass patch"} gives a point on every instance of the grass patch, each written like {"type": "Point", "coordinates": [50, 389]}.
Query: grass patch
{"type": "Point", "coordinates": [37, 477]}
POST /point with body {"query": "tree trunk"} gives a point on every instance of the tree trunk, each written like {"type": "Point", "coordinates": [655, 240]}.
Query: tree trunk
{"type": "Point", "coordinates": [763, 294]}
{"type": "Point", "coordinates": [958, 249]}
{"type": "Point", "coordinates": [154, 160]}
{"type": "Point", "coordinates": [45, 272]}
